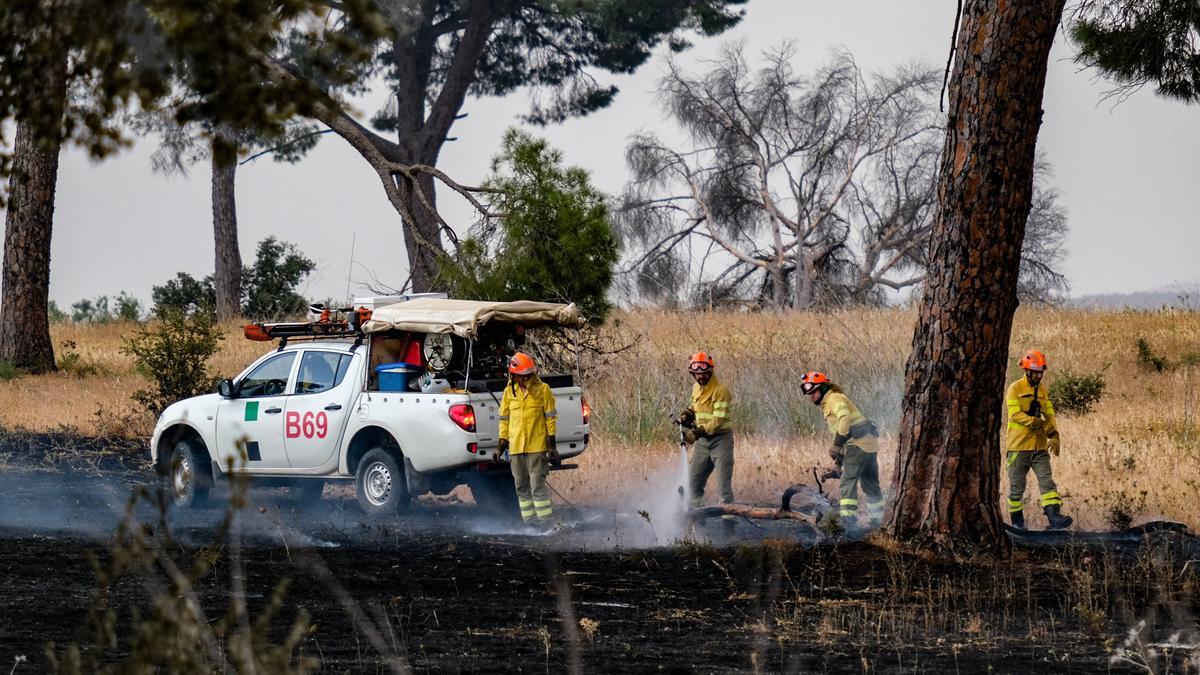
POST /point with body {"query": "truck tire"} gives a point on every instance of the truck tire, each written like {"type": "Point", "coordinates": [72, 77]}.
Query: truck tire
{"type": "Point", "coordinates": [379, 483]}
{"type": "Point", "coordinates": [189, 477]}
{"type": "Point", "coordinates": [496, 494]}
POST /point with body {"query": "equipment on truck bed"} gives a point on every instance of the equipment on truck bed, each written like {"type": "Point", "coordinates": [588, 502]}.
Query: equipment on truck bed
{"type": "Point", "coordinates": [332, 322]}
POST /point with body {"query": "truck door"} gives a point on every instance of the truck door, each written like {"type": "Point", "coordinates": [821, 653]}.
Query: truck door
{"type": "Point", "coordinates": [318, 408]}
{"type": "Point", "coordinates": [254, 419]}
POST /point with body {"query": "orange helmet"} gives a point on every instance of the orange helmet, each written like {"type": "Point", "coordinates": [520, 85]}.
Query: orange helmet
{"type": "Point", "coordinates": [811, 380]}
{"type": "Point", "coordinates": [522, 364]}
{"type": "Point", "coordinates": [1033, 360]}
{"type": "Point", "coordinates": [701, 362]}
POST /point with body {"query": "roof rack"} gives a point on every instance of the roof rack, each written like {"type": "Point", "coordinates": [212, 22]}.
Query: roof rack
{"type": "Point", "coordinates": [325, 327]}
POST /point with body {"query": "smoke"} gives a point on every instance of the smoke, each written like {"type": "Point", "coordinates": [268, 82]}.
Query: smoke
{"type": "Point", "coordinates": [43, 503]}
{"type": "Point", "coordinates": [649, 512]}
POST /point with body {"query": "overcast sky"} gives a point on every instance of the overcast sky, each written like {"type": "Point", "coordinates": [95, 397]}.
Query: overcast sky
{"type": "Point", "coordinates": [1128, 173]}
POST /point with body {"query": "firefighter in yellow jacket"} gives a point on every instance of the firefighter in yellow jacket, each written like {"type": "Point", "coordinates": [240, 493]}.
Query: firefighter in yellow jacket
{"type": "Point", "coordinates": [1032, 438]}
{"type": "Point", "coordinates": [710, 430]}
{"type": "Point", "coordinates": [855, 447]}
{"type": "Point", "coordinates": [527, 426]}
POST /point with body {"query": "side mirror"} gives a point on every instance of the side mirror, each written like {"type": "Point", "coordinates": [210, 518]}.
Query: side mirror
{"type": "Point", "coordinates": [225, 388]}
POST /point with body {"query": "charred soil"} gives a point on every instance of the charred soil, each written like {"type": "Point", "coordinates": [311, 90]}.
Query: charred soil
{"type": "Point", "coordinates": [436, 590]}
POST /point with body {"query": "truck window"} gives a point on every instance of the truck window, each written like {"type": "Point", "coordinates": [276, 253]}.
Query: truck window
{"type": "Point", "coordinates": [270, 378]}
{"type": "Point", "coordinates": [321, 371]}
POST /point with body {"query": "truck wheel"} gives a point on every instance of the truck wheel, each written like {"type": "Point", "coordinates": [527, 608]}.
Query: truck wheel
{"type": "Point", "coordinates": [189, 477]}
{"type": "Point", "coordinates": [379, 483]}
{"type": "Point", "coordinates": [496, 494]}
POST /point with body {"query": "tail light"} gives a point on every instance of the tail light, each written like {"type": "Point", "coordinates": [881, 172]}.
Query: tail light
{"type": "Point", "coordinates": [587, 409]}
{"type": "Point", "coordinates": [464, 416]}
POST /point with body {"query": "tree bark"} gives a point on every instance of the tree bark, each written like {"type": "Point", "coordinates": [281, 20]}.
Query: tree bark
{"type": "Point", "coordinates": [227, 271]}
{"type": "Point", "coordinates": [948, 469]}
{"type": "Point", "coordinates": [24, 324]}
{"type": "Point", "coordinates": [424, 240]}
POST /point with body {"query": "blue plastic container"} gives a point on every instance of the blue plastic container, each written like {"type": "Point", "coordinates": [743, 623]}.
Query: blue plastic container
{"type": "Point", "coordinates": [395, 376]}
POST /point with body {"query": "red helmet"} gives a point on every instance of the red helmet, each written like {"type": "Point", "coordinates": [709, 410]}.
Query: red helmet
{"type": "Point", "coordinates": [701, 362]}
{"type": "Point", "coordinates": [1033, 360]}
{"type": "Point", "coordinates": [522, 364]}
{"type": "Point", "coordinates": [811, 380]}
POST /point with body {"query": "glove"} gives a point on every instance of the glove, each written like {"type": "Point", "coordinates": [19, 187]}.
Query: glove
{"type": "Point", "coordinates": [836, 454]}
{"type": "Point", "coordinates": [686, 418]}
{"type": "Point", "coordinates": [1052, 444]}
{"type": "Point", "coordinates": [690, 436]}
{"type": "Point", "coordinates": [831, 473]}
{"type": "Point", "coordinates": [551, 445]}
{"type": "Point", "coordinates": [502, 445]}
{"type": "Point", "coordinates": [1037, 423]}
{"type": "Point", "coordinates": [554, 457]}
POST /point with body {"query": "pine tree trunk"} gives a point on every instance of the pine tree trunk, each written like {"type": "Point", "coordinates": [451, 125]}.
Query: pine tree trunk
{"type": "Point", "coordinates": [24, 324]}
{"type": "Point", "coordinates": [422, 234]}
{"type": "Point", "coordinates": [948, 469]}
{"type": "Point", "coordinates": [227, 274]}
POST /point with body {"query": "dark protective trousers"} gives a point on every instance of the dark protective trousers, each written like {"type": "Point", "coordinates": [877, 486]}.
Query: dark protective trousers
{"type": "Point", "coordinates": [860, 468]}
{"type": "Point", "coordinates": [529, 471]}
{"type": "Point", "coordinates": [715, 452]}
{"type": "Point", "coordinates": [1019, 463]}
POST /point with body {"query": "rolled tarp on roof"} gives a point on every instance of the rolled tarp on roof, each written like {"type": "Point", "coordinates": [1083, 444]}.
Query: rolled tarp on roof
{"type": "Point", "coordinates": [464, 317]}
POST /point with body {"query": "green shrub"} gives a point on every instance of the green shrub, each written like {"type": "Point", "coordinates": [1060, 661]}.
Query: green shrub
{"type": "Point", "coordinates": [184, 294]}
{"type": "Point", "coordinates": [270, 283]}
{"type": "Point", "coordinates": [1076, 393]}
{"type": "Point", "coordinates": [91, 311]}
{"type": "Point", "coordinates": [124, 307]}
{"type": "Point", "coordinates": [54, 314]}
{"type": "Point", "coordinates": [9, 372]}
{"type": "Point", "coordinates": [70, 361]}
{"type": "Point", "coordinates": [127, 308]}
{"type": "Point", "coordinates": [174, 354]}
{"type": "Point", "coordinates": [1148, 359]}
{"type": "Point", "coordinates": [552, 239]}
{"type": "Point", "coordinates": [268, 289]}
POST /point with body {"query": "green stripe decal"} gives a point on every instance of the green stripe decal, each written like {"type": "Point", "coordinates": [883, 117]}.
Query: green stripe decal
{"type": "Point", "coordinates": [251, 411]}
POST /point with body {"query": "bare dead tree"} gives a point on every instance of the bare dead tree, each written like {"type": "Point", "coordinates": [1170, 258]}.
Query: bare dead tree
{"type": "Point", "coordinates": [897, 205]}
{"type": "Point", "coordinates": [762, 195]}
{"type": "Point", "coordinates": [894, 204]}
{"type": "Point", "coordinates": [1044, 247]}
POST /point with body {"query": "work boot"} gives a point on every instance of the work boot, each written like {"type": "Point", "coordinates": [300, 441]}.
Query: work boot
{"type": "Point", "coordinates": [1057, 520]}
{"type": "Point", "coordinates": [1018, 519]}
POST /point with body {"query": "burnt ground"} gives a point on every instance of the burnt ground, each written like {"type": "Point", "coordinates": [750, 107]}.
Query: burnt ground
{"type": "Point", "coordinates": [443, 589]}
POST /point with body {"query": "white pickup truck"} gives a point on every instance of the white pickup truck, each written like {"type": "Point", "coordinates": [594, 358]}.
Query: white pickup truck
{"type": "Point", "coordinates": [319, 409]}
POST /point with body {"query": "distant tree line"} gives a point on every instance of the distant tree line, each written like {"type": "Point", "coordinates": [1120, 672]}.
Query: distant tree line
{"type": "Point", "coordinates": [268, 292]}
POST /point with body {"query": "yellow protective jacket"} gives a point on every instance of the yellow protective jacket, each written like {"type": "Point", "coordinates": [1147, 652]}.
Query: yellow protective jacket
{"type": "Point", "coordinates": [846, 423]}
{"type": "Point", "coordinates": [710, 403]}
{"type": "Point", "coordinates": [528, 416]}
{"type": "Point", "coordinates": [1021, 437]}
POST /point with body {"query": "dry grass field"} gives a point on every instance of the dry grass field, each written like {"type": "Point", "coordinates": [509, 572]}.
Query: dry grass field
{"type": "Point", "coordinates": [1137, 451]}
